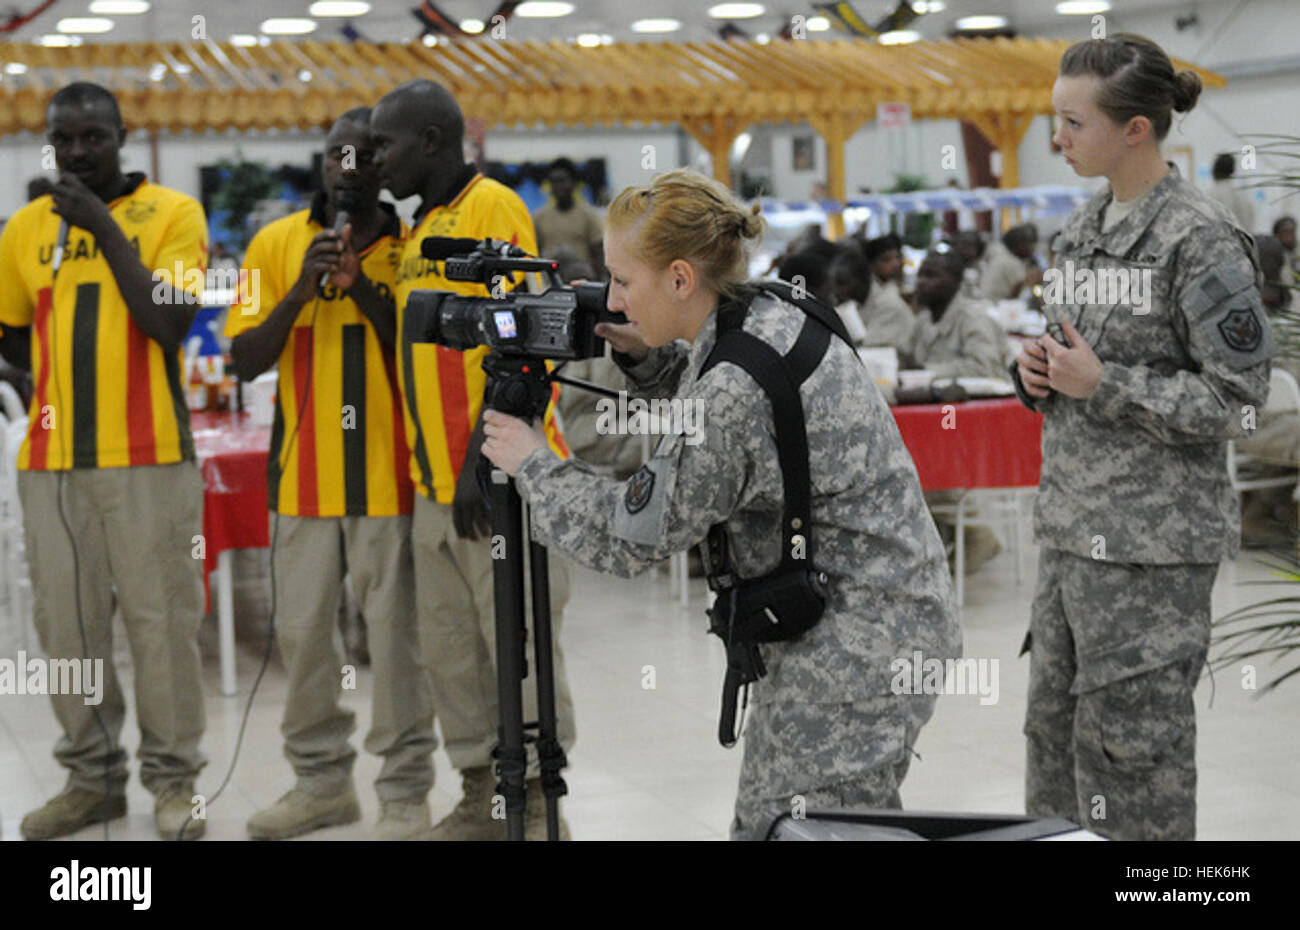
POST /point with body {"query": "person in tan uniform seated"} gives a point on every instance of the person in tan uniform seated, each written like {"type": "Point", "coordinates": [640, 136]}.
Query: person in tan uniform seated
{"type": "Point", "coordinates": [567, 220]}
{"type": "Point", "coordinates": [954, 337]}
{"type": "Point", "coordinates": [1268, 515]}
{"type": "Point", "coordinates": [1009, 269]}
{"type": "Point", "coordinates": [888, 317]}
{"type": "Point", "coordinates": [970, 246]}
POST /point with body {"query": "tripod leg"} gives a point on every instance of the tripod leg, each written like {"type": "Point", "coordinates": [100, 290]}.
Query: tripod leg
{"type": "Point", "coordinates": [549, 751]}
{"type": "Point", "coordinates": [508, 590]}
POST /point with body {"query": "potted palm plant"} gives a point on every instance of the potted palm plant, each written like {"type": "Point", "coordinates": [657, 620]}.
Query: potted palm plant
{"type": "Point", "coordinates": [1270, 628]}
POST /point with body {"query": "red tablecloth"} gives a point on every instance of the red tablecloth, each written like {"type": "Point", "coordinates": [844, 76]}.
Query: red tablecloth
{"type": "Point", "coordinates": [975, 444]}
{"type": "Point", "coordinates": [232, 457]}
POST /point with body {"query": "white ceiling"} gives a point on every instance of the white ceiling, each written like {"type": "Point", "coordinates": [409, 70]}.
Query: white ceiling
{"type": "Point", "coordinates": [391, 20]}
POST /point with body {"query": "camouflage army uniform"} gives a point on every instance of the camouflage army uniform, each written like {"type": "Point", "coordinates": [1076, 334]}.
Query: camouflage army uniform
{"type": "Point", "coordinates": [1134, 513]}
{"type": "Point", "coordinates": [965, 343]}
{"type": "Point", "coordinates": [824, 723]}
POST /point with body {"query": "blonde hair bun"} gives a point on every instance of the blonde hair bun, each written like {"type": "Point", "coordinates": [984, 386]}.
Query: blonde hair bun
{"type": "Point", "coordinates": [683, 214]}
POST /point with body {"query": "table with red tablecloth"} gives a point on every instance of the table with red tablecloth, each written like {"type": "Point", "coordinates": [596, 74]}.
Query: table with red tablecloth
{"type": "Point", "coordinates": [232, 454]}
{"type": "Point", "coordinates": [232, 457]}
{"type": "Point", "coordinates": [974, 444]}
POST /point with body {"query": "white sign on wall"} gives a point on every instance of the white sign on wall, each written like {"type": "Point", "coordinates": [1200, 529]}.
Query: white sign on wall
{"type": "Point", "coordinates": [893, 115]}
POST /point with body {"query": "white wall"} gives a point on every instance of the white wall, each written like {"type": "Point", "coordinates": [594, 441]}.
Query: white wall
{"type": "Point", "coordinates": [624, 150]}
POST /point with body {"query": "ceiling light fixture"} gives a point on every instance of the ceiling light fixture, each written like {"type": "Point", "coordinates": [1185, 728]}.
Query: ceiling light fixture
{"type": "Point", "coordinates": [1082, 7]}
{"type": "Point", "coordinates": [900, 37]}
{"type": "Point", "coordinates": [338, 8]}
{"type": "Point", "coordinates": [84, 24]}
{"type": "Point", "coordinates": [543, 9]}
{"type": "Point", "coordinates": [976, 23]}
{"type": "Point", "coordinates": [737, 10]}
{"type": "Point", "coordinates": [656, 25]}
{"type": "Point", "coordinates": [288, 26]}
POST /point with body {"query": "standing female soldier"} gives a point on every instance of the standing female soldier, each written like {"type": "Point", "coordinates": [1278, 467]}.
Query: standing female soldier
{"type": "Point", "coordinates": [834, 720]}
{"type": "Point", "coordinates": [1162, 353]}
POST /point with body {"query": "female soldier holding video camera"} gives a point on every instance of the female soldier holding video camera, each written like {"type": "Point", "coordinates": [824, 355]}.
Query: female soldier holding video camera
{"type": "Point", "coordinates": [833, 721]}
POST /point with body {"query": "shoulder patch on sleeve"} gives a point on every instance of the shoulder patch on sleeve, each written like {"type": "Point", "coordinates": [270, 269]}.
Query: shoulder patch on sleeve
{"type": "Point", "coordinates": [640, 518]}
{"type": "Point", "coordinates": [1241, 330]}
{"type": "Point", "coordinates": [1224, 305]}
{"type": "Point", "coordinates": [639, 488]}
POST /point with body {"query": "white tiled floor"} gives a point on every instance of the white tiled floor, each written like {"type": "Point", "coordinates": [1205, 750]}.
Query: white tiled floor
{"type": "Point", "coordinates": [647, 764]}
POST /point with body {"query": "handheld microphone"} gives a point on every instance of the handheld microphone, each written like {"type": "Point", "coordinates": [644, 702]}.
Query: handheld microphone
{"type": "Point", "coordinates": [438, 248]}
{"type": "Point", "coordinates": [57, 259]}
{"type": "Point", "coordinates": [341, 219]}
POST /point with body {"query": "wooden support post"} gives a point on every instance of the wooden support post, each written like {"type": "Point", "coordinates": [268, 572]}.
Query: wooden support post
{"type": "Point", "coordinates": [835, 130]}
{"type": "Point", "coordinates": [715, 135]}
{"type": "Point", "coordinates": [1006, 131]}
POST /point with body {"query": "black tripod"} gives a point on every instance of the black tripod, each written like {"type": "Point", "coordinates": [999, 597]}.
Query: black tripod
{"type": "Point", "coordinates": [520, 388]}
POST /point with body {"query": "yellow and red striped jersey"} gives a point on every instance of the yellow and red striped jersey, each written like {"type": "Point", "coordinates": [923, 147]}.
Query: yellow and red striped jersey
{"type": "Point", "coordinates": [347, 456]}
{"type": "Point", "coordinates": [106, 395]}
{"type": "Point", "coordinates": [442, 389]}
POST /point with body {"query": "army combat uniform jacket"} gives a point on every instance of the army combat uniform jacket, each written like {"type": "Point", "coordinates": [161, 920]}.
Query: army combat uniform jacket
{"type": "Point", "coordinates": [1139, 467]}
{"type": "Point", "coordinates": [889, 591]}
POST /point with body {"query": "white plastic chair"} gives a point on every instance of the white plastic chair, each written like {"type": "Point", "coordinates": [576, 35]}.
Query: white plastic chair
{"type": "Point", "coordinates": [997, 507]}
{"type": "Point", "coordinates": [10, 403]}
{"type": "Point", "coordinates": [1283, 396]}
{"type": "Point", "coordinates": [14, 580]}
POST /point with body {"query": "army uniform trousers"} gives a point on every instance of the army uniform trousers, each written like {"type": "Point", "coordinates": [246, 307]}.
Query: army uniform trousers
{"type": "Point", "coordinates": [1115, 653]}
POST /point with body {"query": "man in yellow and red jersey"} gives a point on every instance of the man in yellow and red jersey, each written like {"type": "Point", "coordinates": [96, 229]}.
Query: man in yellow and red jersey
{"type": "Point", "coordinates": [417, 131]}
{"type": "Point", "coordinates": [339, 491]}
{"type": "Point", "coordinates": [112, 499]}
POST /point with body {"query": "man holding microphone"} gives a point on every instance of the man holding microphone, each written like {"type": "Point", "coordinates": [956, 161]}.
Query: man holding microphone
{"type": "Point", "coordinates": [107, 271]}
{"type": "Point", "coordinates": [339, 489]}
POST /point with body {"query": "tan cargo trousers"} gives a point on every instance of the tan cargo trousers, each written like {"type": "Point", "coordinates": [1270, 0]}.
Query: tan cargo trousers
{"type": "Point", "coordinates": [134, 535]}
{"type": "Point", "coordinates": [312, 556]}
{"type": "Point", "coordinates": [454, 603]}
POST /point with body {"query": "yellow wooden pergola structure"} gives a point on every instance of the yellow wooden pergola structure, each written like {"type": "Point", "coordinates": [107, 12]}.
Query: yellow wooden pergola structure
{"type": "Point", "coordinates": [714, 90]}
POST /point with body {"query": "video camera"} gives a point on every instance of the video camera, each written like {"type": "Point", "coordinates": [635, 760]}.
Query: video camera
{"type": "Point", "coordinates": [558, 324]}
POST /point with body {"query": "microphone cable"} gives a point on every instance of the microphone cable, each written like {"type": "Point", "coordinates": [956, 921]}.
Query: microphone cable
{"type": "Point", "coordinates": [275, 532]}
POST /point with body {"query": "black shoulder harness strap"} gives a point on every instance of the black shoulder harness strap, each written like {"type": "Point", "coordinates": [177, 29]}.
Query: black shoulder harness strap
{"type": "Point", "coordinates": [788, 601]}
